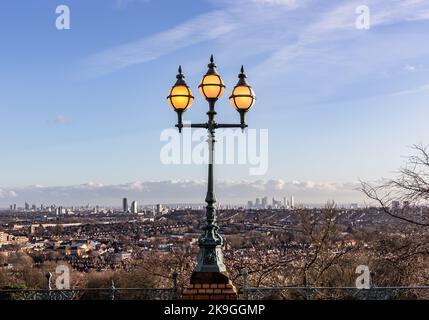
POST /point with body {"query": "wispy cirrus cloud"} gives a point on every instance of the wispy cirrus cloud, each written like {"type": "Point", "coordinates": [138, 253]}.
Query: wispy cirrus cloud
{"type": "Point", "coordinates": [418, 89]}
{"type": "Point", "coordinates": [286, 38]}
{"type": "Point", "coordinates": [289, 3]}
{"type": "Point", "coordinates": [337, 23]}
{"type": "Point", "coordinates": [203, 28]}
{"type": "Point", "coordinates": [120, 4]}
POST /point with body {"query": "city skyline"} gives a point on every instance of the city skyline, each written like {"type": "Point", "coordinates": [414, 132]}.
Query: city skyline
{"type": "Point", "coordinates": [175, 192]}
{"type": "Point", "coordinates": [83, 109]}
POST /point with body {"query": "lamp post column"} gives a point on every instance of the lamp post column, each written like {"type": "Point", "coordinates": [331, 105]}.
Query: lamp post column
{"type": "Point", "coordinates": [211, 197]}
{"type": "Point", "coordinates": [210, 266]}
{"type": "Point", "coordinates": [210, 269]}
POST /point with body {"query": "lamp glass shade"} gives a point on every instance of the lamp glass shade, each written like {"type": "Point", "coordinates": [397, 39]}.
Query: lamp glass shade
{"type": "Point", "coordinates": [211, 87]}
{"type": "Point", "coordinates": [180, 97]}
{"type": "Point", "coordinates": [242, 97]}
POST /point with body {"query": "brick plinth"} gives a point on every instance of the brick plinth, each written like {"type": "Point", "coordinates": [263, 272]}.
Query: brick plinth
{"type": "Point", "coordinates": [213, 291]}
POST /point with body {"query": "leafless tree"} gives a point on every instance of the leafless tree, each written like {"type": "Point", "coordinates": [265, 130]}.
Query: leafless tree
{"type": "Point", "coordinates": [324, 248]}
{"type": "Point", "coordinates": [411, 187]}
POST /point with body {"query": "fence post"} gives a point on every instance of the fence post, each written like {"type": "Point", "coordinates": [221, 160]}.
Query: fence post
{"type": "Point", "coordinates": [245, 274]}
{"type": "Point", "coordinates": [308, 291]}
{"type": "Point", "coordinates": [174, 295]}
{"type": "Point", "coordinates": [48, 294]}
{"type": "Point", "coordinates": [48, 281]}
{"type": "Point", "coordinates": [112, 290]}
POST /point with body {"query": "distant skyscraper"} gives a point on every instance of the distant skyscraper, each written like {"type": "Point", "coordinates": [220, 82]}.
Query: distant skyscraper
{"type": "Point", "coordinates": [257, 202]}
{"type": "Point", "coordinates": [134, 208]}
{"type": "Point", "coordinates": [27, 207]}
{"type": "Point", "coordinates": [264, 202]}
{"type": "Point", "coordinates": [125, 205]}
{"type": "Point", "coordinates": [249, 204]}
{"type": "Point", "coordinates": [292, 202]}
{"type": "Point", "coordinates": [158, 209]}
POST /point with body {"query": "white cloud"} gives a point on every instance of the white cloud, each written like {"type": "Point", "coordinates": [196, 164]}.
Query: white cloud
{"type": "Point", "coordinates": [6, 194]}
{"type": "Point", "coordinates": [269, 27]}
{"type": "Point", "coordinates": [61, 119]}
{"type": "Point", "coordinates": [206, 27]}
{"type": "Point", "coordinates": [336, 24]}
{"type": "Point", "coordinates": [409, 68]}
{"type": "Point", "coordinates": [120, 4]}
{"type": "Point", "coordinates": [419, 89]}
{"type": "Point", "coordinates": [289, 3]}
{"type": "Point", "coordinates": [184, 191]}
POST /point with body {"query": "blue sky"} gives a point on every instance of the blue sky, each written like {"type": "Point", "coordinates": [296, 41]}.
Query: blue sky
{"type": "Point", "coordinates": [86, 106]}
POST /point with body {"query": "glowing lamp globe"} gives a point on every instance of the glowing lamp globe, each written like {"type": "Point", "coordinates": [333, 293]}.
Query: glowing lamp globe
{"type": "Point", "coordinates": [180, 97]}
{"type": "Point", "coordinates": [242, 97]}
{"type": "Point", "coordinates": [211, 86]}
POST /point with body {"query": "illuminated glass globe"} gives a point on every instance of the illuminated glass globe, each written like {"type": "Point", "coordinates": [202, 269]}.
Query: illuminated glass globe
{"type": "Point", "coordinates": [242, 97]}
{"type": "Point", "coordinates": [211, 86]}
{"type": "Point", "coordinates": [180, 97]}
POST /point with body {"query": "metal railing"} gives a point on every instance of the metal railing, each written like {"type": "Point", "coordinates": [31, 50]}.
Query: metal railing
{"type": "Point", "coordinates": [333, 293]}
{"type": "Point", "coordinates": [110, 293]}
{"type": "Point", "coordinates": [245, 293]}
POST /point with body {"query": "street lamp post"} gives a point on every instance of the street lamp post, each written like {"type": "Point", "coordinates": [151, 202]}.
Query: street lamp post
{"type": "Point", "coordinates": [210, 267]}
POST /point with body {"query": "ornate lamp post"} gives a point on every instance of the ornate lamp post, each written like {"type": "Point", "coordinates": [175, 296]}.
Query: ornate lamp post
{"type": "Point", "coordinates": [210, 267]}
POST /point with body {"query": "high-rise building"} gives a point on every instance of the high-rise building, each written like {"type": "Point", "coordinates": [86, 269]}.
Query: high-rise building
{"type": "Point", "coordinates": [292, 202]}
{"type": "Point", "coordinates": [257, 203]}
{"type": "Point", "coordinates": [354, 206]}
{"type": "Point", "coordinates": [125, 205]}
{"type": "Point", "coordinates": [27, 207]}
{"type": "Point", "coordinates": [264, 202]}
{"type": "Point", "coordinates": [249, 204]}
{"type": "Point", "coordinates": [158, 209]}
{"type": "Point", "coordinates": [134, 207]}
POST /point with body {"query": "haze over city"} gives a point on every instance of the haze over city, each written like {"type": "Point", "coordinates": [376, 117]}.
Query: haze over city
{"type": "Point", "coordinates": [83, 109]}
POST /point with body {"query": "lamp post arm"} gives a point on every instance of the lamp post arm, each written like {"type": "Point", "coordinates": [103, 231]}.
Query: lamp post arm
{"type": "Point", "coordinates": [197, 125]}
{"type": "Point", "coordinates": [181, 125]}
{"type": "Point", "coordinates": [230, 125]}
